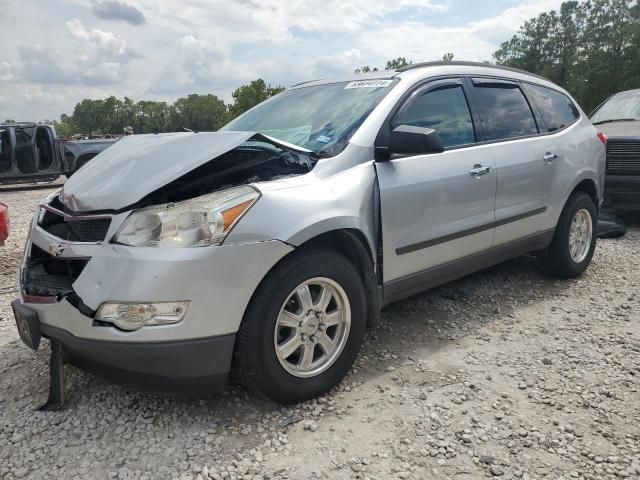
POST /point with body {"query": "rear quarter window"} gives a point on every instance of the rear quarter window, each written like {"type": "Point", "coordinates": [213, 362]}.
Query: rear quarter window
{"type": "Point", "coordinates": [557, 110]}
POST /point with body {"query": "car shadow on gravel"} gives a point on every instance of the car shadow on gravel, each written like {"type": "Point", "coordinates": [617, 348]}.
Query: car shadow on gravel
{"type": "Point", "coordinates": [417, 328]}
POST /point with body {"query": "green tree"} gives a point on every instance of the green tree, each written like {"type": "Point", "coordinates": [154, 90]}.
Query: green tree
{"type": "Point", "coordinates": [397, 63]}
{"type": "Point", "coordinates": [365, 69]}
{"type": "Point", "coordinates": [197, 112]}
{"type": "Point", "coordinates": [152, 117]}
{"type": "Point", "coordinates": [249, 95]}
{"type": "Point", "coordinates": [87, 115]}
{"type": "Point", "coordinates": [591, 48]}
{"type": "Point", "coordinates": [392, 64]}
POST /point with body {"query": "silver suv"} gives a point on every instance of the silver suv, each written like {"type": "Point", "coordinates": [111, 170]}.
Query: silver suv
{"type": "Point", "coordinates": [269, 246]}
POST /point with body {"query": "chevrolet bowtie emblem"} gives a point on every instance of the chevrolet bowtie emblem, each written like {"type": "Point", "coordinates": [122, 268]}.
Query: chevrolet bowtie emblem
{"type": "Point", "coordinates": [56, 249]}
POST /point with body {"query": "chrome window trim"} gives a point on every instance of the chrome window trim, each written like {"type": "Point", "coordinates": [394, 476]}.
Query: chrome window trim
{"type": "Point", "coordinates": [75, 218]}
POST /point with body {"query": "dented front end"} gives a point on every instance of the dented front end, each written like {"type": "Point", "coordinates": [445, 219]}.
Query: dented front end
{"type": "Point", "coordinates": [144, 170]}
{"type": "Point", "coordinates": [76, 262]}
{"type": "Point", "coordinates": [87, 270]}
{"type": "Point", "coordinates": [71, 269]}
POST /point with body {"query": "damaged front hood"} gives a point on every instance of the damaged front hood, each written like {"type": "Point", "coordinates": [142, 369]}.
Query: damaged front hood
{"type": "Point", "coordinates": [140, 164]}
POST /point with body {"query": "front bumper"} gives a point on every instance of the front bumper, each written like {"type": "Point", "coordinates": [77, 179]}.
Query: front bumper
{"type": "Point", "coordinates": [217, 281]}
{"type": "Point", "coordinates": [199, 365]}
{"type": "Point", "coordinates": [622, 192]}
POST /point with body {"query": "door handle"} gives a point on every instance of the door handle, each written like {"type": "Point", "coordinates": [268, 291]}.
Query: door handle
{"type": "Point", "coordinates": [550, 157]}
{"type": "Point", "coordinates": [479, 171]}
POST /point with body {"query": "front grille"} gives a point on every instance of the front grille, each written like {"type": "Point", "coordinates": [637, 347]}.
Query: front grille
{"type": "Point", "coordinates": [623, 157]}
{"type": "Point", "coordinates": [45, 275]}
{"type": "Point", "coordinates": [76, 230]}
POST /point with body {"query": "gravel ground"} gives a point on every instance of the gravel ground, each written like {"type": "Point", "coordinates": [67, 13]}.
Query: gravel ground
{"type": "Point", "coordinates": [503, 374]}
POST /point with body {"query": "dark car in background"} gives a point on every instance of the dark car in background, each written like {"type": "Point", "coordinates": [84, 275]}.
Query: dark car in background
{"type": "Point", "coordinates": [31, 152]}
{"type": "Point", "coordinates": [619, 119]}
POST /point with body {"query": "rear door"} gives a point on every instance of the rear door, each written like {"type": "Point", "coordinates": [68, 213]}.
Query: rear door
{"type": "Point", "coordinates": [435, 208]}
{"type": "Point", "coordinates": [525, 161]}
{"type": "Point", "coordinates": [36, 150]}
{"type": "Point", "coordinates": [48, 157]}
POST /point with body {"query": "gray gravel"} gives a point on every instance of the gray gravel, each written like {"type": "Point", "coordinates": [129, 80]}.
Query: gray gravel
{"type": "Point", "coordinates": [504, 374]}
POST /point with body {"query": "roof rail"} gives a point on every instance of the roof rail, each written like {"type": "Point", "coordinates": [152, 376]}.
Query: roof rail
{"type": "Point", "coordinates": [304, 83]}
{"type": "Point", "coordinates": [467, 64]}
{"type": "Point", "coordinates": [18, 124]}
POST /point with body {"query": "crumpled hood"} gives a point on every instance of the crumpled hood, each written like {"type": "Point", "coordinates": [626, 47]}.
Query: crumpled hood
{"type": "Point", "coordinates": [140, 164]}
{"type": "Point", "coordinates": [620, 129]}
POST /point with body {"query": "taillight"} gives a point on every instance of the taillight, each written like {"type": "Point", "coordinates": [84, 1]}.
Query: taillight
{"type": "Point", "coordinates": [603, 138]}
{"type": "Point", "coordinates": [4, 223]}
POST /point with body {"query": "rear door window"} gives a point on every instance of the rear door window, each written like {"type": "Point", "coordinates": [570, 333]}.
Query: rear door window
{"type": "Point", "coordinates": [443, 109]}
{"type": "Point", "coordinates": [557, 110]}
{"type": "Point", "coordinates": [504, 110]}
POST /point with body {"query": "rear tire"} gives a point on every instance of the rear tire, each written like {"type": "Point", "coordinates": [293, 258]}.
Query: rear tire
{"type": "Point", "coordinates": [574, 241]}
{"type": "Point", "coordinates": [278, 315]}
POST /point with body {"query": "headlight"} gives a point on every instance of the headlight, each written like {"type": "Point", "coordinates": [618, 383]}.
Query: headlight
{"type": "Point", "coordinates": [198, 222]}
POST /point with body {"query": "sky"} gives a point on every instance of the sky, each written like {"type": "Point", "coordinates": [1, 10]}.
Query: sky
{"type": "Point", "coordinates": [54, 53]}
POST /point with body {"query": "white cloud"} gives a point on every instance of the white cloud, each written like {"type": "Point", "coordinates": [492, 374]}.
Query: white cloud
{"type": "Point", "coordinates": [476, 41]}
{"type": "Point", "coordinates": [6, 72]}
{"type": "Point", "coordinates": [334, 65]}
{"type": "Point", "coordinates": [98, 44]}
{"type": "Point", "coordinates": [245, 21]}
{"type": "Point", "coordinates": [199, 62]}
{"type": "Point", "coordinates": [56, 54]}
{"type": "Point", "coordinates": [90, 57]}
{"type": "Point", "coordinates": [36, 102]}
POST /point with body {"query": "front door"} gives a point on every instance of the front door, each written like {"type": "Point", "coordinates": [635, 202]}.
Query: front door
{"type": "Point", "coordinates": [436, 209]}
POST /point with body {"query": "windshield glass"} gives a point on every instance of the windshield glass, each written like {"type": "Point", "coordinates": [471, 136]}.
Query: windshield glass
{"type": "Point", "coordinates": [320, 118]}
{"type": "Point", "coordinates": [624, 106]}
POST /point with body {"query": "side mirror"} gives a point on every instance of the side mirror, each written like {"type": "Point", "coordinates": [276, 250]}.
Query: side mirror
{"type": "Point", "coordinates": [410, 140]}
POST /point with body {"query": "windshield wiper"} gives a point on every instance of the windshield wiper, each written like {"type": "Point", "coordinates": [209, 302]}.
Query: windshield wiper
{"type": "Point", "coordinates": [320, 154]}
{"type": "Point", "coordinates": [612, 120]}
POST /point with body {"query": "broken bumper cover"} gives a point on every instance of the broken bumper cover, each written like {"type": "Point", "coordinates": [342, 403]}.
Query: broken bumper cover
{"type": "Point", "coordinates": [196, 366]}
{"type": "Point", "coordinates": [218, 283]}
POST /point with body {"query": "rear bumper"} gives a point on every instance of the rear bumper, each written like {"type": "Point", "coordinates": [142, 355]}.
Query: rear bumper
{"type": "Point", "coordinates": [197, 365]}
{"type": "Point", "coordinates": [622, 192]}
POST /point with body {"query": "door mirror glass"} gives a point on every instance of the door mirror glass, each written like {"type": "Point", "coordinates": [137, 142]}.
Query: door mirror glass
{"type": "Point", "coordinates": [411, 140]}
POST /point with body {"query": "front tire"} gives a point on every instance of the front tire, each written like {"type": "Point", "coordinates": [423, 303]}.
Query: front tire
{"type": "Point", "coordinates": [303, 327]}
{"type": "Point", "coordinates": [574, 241]}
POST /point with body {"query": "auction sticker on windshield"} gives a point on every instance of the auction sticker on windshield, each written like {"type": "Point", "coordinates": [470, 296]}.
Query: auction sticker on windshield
{"type": "Point", "coordinates": [369, 84]}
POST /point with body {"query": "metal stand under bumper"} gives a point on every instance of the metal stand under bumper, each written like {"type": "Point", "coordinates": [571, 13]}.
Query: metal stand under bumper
{"type": "Point", "coordinates": [56, 379]}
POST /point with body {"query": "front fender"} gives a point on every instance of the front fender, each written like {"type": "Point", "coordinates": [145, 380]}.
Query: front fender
{"type": "Point", "coordinates": [298, 209]}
